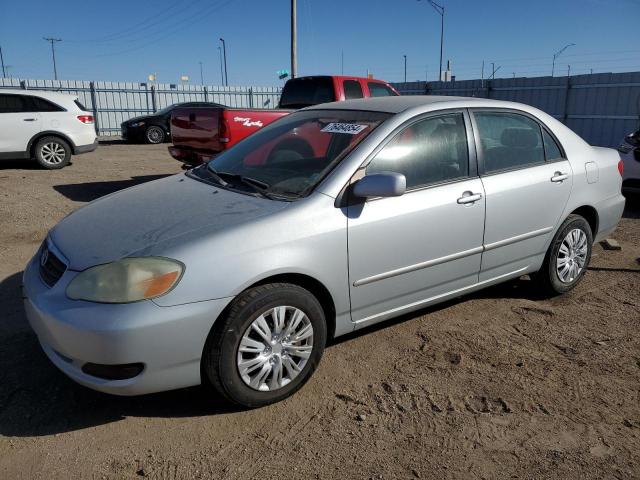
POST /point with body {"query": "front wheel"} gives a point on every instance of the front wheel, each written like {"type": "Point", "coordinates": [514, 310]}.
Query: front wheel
{"type": "Point", "coordinates": [568, 257]}
{"type": "Point", "coordinates": [154, 135]}
{"type": "Point", "coordinates": [267, 345]}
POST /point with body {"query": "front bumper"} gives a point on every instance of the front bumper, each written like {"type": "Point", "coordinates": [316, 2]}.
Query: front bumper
{"type": "Point", "coordinates": [168, 340]}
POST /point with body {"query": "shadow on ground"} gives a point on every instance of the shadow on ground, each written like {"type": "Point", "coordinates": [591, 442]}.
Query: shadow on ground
{"type": "Point", "coordinates": [36, 399]}
{"type": "Point", "coordinates": [86, 192]}
{"type": "Point", "coordinates": [632, 206]}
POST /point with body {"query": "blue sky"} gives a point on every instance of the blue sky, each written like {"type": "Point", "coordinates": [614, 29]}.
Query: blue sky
{"type": "Point", "coordinates": [126, 41]}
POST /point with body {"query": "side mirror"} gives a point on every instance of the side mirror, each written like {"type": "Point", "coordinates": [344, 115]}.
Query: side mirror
{"type": "Point", "coordinates": [384, 184]}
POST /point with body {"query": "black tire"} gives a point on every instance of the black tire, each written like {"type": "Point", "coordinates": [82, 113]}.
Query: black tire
{"type": "Point", "coordinates": [154, 134]}
{"type": "Point", "coordinates": [52, 153]}
{"type": "Point", "coordinates": [547, 277]}
{"type": "Point", "coordinates": [219, 359]}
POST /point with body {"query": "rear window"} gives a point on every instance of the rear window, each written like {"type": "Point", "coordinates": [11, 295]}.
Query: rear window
{"type": "Point", "coordinates": [304, 92]}
{"type": "Point", "coordinates": [41, 105]}
{"type": "Point", "coordinates": [380, 90]}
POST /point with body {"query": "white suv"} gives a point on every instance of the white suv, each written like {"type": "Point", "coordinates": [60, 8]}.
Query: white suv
{"type": "Point", "coordinates": [47, 126]}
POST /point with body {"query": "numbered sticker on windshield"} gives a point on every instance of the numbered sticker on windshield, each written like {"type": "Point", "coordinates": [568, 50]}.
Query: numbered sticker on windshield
{"type": "Point", "coordinates": [348, 128]}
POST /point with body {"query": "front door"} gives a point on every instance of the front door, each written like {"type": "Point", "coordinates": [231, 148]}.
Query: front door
{"type": "Point", "coordinates": [407, 251]}
{"type": "Point", "coordinates": [17, 124]}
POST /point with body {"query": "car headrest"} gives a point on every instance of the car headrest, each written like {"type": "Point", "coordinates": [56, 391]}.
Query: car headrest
{"type": "Point", "coordinates": [519, 137]}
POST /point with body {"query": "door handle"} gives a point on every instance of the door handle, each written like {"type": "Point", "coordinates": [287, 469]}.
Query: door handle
{"type": "Point", "coordinates": [469, 197]}
{"type": "Point", "coordinates": [559, 177]}
{"type": "Point", "coordinates": [28, 119]}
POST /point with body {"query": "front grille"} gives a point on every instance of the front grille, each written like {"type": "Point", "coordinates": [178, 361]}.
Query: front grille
{"type": "Point", "coordinates": [51, 267]}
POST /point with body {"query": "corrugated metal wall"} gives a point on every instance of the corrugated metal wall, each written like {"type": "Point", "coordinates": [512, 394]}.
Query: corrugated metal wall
{"type": "Point", "coordinates": [602, 107]}
{"type": "Point", "coordinates": [114, 102]}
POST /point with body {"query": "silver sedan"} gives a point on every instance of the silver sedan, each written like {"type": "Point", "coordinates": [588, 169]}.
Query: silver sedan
{"type": "Point", "coordinates": [236, 273]}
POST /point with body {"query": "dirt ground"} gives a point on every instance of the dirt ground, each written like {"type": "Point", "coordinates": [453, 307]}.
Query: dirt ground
{"type": "Point", "coordinates": [499, 384]}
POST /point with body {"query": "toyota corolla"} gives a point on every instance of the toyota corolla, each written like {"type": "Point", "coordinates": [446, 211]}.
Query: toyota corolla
{"type": "Point", "coordinates": [336, 217]}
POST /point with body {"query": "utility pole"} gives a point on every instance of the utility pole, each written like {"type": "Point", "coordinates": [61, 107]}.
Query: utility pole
{"type": "Point", "coordinates": [482, 75]}
{"type": "Point", "coordinates": [53, 54]}
{"type": "Point", "coordinates": [294, 40]}
{"type": "Point", "coordinates": [494, 70]}
{"type": "Point", "coordinates": [557, 54]}
{"type": "Point", "coordinates": [224, 54]}
{"type": "Point", "coordinates": [201, 76]}
{"type": "Point", "coordinates": [4, 73]}
{"type": "Point", "coordinates": [440, 9]}
{"type": "Point", "coordinates": [221, 71]}
{"type": "Point", "coordinates": [405, 68]}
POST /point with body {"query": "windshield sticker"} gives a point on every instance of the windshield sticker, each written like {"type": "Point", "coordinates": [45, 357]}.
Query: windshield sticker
{"type": "Point", "coordinates": [348, 128]}
{"type": "Point", "coordinates": [247, 122]}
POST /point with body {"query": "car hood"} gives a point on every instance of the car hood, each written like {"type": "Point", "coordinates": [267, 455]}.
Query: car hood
{"type": "Point", "coordinates": [146, 219]}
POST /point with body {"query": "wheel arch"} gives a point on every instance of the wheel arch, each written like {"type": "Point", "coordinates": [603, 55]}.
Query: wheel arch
{"type": "Point", "coordinates": [315, 287]}
{"type": "Point", "coordinates": [48, 133]}
{"type": "Point", "coordinates": [590, 214]}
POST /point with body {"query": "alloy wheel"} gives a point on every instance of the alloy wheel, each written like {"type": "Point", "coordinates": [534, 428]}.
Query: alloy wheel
{"type": "Point", "coordinates": [572, 255]}
{"type": "Point", "coordinates": [53, 153]}
{"type": "Point", "coordinates": [275, 348]}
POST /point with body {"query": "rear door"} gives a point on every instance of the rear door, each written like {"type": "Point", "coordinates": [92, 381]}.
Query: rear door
{"type": "Point", "coordinates": [18, 124]}
{"type": "Point", "coordinates": [408, 250]}
{"type": "Point", "coordinates": [527, 182]}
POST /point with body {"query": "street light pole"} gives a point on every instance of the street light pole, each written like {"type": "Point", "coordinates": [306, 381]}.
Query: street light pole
{"type": "Point", "coordinates": [4, 72]}
{"type": "Point", "coordinates": [224, 54]}
{"type": "Point", "coordinates": [294, 40]}
{"type": "Point", "coordinates": [53, 54]}
{"type": "Point", "coordinates": [221, 71]}
{"type": "Point", "coordinates": [440, 9]}
{"type": "Point", "coordinates": [557, 54]}
{"type": "Point", "coordinates": [405, 68]}
{"type": "Point", "coordinates": [201, 76]}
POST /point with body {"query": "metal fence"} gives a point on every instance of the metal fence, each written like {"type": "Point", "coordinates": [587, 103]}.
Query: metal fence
{"type": "Point", "coordinates": [601, 107]}
{"type": "Point", "coordinates": [114, 102]}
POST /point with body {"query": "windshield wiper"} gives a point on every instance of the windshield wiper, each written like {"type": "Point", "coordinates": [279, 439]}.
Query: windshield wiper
{"type": "Point", "coordinates": [256, 185]}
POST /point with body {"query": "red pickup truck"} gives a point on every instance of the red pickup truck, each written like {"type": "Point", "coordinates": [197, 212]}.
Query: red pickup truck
{"type": "Point", "coordinates": [200, 133]}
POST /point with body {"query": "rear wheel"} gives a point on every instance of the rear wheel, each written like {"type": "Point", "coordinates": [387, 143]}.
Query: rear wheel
{"type": "Point", "coordinates": [267, 346]}
{"type": "Point", "coordinates": [154, 135]}
{"type": "Point", "coordinates": [52, 153]}
{"type": "Point", "coordinates": [568, 257]}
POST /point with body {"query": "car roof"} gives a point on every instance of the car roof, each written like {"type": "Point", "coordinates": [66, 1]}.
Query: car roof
{"type": "Point", "coordinates": [60, 96]}
{"type": "Point", "coordinates": [401, 103]}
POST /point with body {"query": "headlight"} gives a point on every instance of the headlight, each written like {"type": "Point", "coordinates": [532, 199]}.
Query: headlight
{"type": "Point", "coordinates": [127, 280]}
{"type": "Point", "coordinates": [137, 124]}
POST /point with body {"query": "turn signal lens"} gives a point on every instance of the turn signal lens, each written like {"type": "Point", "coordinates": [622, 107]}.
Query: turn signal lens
{"type": "Point", "coordinates": [127, 280]}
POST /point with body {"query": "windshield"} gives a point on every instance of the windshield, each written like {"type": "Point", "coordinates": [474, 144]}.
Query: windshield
{"type": "Point", "coordinates": [165, 110]}
{"type": "Point", "coordinates": [289, 157]}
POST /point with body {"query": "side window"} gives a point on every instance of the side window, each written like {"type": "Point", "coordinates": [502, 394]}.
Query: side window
{"type": "Point", "coordinates": [11, 103]}
{"type": "Point", "coordinates": [352, 89]}
{"type": "Point", "coordinates": [508, 140]}
{"type": "Point", "coordinates": [551, 149]}
{"type": "Point", "coordinates": [37, 104]}
{"type": "Point", "coordinates": [380, 90]}
{"type": "Point", "coordinates": [432, 150]}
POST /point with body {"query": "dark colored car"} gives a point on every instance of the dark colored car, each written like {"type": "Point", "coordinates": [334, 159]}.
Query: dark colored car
{"type": "Point", "coordinates": [155, 128]}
